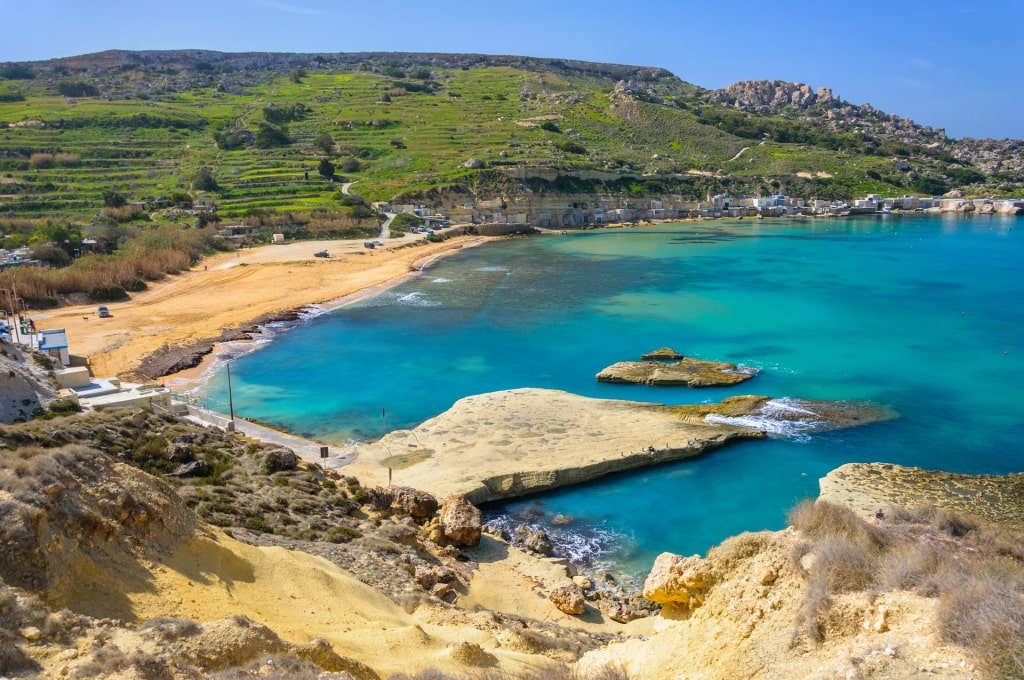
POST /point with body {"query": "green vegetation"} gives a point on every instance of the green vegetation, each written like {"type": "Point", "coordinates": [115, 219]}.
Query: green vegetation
{"type": "Point", "coordinates": [91, 147]}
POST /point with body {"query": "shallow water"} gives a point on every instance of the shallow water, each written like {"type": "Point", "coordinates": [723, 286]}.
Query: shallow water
{"type": "Point", "coordinates": [920, 313]}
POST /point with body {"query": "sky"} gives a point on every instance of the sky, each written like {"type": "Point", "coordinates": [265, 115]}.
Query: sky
{"type": "Point", "coordinates": [948, 64]}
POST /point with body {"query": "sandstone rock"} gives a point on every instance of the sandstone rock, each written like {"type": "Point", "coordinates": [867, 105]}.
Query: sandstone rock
{"type": "Point", "coordinates": [279, 460]}
{"type": "Point", "coordinates": [231, 642]}
{"type": "Point", "coordinates": [663, 354]}
{"type": "Point", "coordinates": [417, 504]}
{"type": "Point", "coordinates": [568, 598]}
{"type": "Point", "coordinates": [471, 654]}
{"type": "Point", "coordinates": [620, 611]}
{"type": "Point", "coordinates": [320, 652]}
{"type": "Point", "coordinates": [688, 371]}
{"type": "Point", "coordinates": [444, 591]}
{"type": "Point", "coordinates": [30, 633]}
{"type": "Point", "coordinates": [462, 521]}
{"type": "Point", "coordinates": [678, 580]}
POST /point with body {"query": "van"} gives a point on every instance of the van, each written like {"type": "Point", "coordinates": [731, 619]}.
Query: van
{"type": "Point", "coordinates": [102, 312]}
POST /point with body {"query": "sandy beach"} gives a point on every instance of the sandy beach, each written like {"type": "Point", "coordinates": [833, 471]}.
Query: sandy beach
{"type": "Point", "coordinates": [232, 290]}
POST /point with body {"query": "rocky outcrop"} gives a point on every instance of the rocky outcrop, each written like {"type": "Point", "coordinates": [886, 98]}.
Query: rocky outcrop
{"type": "Point", "coordinates": [677, 580]}
{"type": "Point", "coordinates": [689, 372]}
{"type": "Point", "coordinates": [868, 487]}
{"type": "Point", "coordinates": [786, 416]}
{"type": "Point", "coordinates": [279, 460]}
{"type": "Point", "coordinates": [25, 389]}
{"type": "Point", "coordinates": [419, 505]}
{"type": "Point", "coordinates": [568, 598]}
{"type": "Point", "coordinates": [772, 96]}
{"type": "Point", "coordinates": [461, 521]}
{"type": "Point", "coordinates": [662, 354]}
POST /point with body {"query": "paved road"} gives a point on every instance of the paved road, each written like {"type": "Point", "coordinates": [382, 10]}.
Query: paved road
{"type": "Point", "coordinates": [305, 449]}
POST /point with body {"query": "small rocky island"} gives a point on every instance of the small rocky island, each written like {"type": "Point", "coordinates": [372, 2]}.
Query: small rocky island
{"type": "Point", "coordinates": [666, 367]}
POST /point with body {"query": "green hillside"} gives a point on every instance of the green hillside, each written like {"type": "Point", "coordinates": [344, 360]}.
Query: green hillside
{"type": "Point", "coordinates": [145, 124]}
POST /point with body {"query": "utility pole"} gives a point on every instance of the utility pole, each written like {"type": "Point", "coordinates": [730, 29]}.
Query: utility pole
{"type": "Point", "coordinates": [231, 401]}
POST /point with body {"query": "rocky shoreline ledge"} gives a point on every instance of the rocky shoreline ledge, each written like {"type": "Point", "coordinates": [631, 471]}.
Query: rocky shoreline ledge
{"type": "Point", "coordinates": [499, 445]}
{"type": "Point", "coordinates": [869, 487]}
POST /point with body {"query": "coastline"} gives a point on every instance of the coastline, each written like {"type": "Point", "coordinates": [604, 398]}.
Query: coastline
{"type": "Point", "coordinates": [229, 294]}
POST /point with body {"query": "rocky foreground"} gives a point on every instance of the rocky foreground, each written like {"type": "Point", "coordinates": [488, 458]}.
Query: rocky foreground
{"type": "Point", "coordinates": [135, 545]}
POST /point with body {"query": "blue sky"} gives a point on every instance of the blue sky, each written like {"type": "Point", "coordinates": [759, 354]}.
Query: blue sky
{"type": "Point", "coordinates": [952, 65]}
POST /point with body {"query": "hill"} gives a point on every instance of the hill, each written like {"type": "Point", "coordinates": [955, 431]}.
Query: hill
{"type": "Point", "coordinates": [253, 132]}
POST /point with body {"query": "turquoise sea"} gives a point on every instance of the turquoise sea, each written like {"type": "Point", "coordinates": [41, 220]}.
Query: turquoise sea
{"type": "Point", "coordinates": [920, 313]}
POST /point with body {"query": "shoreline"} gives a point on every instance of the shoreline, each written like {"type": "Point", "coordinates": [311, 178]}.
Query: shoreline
{"type": "Point", "coordinates": [195, 377]}
{"type": "Point", "coordinates": [230, 296]}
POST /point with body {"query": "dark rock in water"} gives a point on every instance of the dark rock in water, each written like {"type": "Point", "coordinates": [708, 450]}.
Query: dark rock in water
{"type": "Point", "coordinates": [196, 468]}
{"type": "Point", "coordinates": [279, 460]}
{"type": "Point", "coordinates": [689, 372]}
{"type": "Point", "coordinates": [534, 540]}
{"type": "Point", "coordinates": [663, 354]}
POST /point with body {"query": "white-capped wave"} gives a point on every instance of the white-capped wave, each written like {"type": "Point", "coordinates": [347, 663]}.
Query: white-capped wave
{"type": "Point", "coordinates": [417, 299]}
{"type": "Point", "coordinates": [491, 269]}
{"type": "Point", "coordinates": [780, 417]}
{"type": "Point", "coordinates": [441, 279]}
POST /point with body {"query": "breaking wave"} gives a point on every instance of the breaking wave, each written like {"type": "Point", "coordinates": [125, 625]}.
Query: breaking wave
{"type": "Point", "coordinates": [783, 417]}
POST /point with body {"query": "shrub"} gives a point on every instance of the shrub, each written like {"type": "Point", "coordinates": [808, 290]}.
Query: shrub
{"type": "Point", "coordinates": [40, 161]}
{"type": "Point", "coordinates": [985, 613]}
{"type": "Point", "coordinates": [820, 520]}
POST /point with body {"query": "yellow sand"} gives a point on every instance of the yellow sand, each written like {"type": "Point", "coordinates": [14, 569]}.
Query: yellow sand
{"type": "Point", "coordinates": [231, 289]}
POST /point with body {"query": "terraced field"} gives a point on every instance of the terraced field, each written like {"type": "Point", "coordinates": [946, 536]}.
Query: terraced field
{"type": "Point", "coordinates": [398, 125]}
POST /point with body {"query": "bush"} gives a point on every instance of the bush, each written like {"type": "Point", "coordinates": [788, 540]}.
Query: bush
{"type": "Point", "coordinates": [985, 613]}
{"type": "Point", "coordinates": [269, 136]}
{"type": "Point", "coordinates": [111, 294]}
{"type": "Point", "coordinates": [569, 146]}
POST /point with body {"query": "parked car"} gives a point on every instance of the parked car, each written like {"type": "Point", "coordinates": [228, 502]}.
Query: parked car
{"type": "Point", "coordinates": [369, 244]}
{"type": "Point", "coordinates": [102, 312]}
{"type": "Point", "coordinates": [321, 253]}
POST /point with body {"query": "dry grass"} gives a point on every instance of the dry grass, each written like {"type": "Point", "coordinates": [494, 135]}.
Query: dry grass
{"type": "Point", "coordinates": [975, 572]}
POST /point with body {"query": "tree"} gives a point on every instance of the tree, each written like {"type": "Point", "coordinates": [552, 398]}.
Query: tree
{"type": "Point", "coordinates": [351, 165]}
{"type": "Point", "coordinates": [204, 180]}
{"type": "Point", "coordinates": [326, 168]}
{"type": "Point", "coordinates": [269, 136]}
{"type": "Point", "coordinates": [113, 199]}
{"type": "Point", "coordinates": [325, 143]}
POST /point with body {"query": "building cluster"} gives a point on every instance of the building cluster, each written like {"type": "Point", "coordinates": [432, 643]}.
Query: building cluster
{"type": "Point", "coordinates": [74, 379]}
{"type": "Point", "coordinates": [499, 215]}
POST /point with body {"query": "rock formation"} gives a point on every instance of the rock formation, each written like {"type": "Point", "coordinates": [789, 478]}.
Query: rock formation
{"type": "Point", "coordinates": [461, 521]}
{"type": "Point", "coordinates": [688, 371]}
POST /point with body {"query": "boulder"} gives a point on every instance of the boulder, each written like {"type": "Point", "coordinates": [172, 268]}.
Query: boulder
{"type": "Point", "coordinates": [461, 521]}
{"type": "Point", "coordinates": [179, 451]}
{"type": "Point", "coordinates": [444, 592]}
{"type": "Point", "coordinates": [279, 460]}
{"type": "Point", "coordinates": [678, 580]}
{"type": "Point", "coordinates": [537, 541]}
{"type": "Point", "coordinates": [197, 468]}
{"type": "Point", "coordinates": [568, 599]}
{"type": "Point", "coordinates": [474, 163]}
{"type": "Point", "coordinates": [417, 504]}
